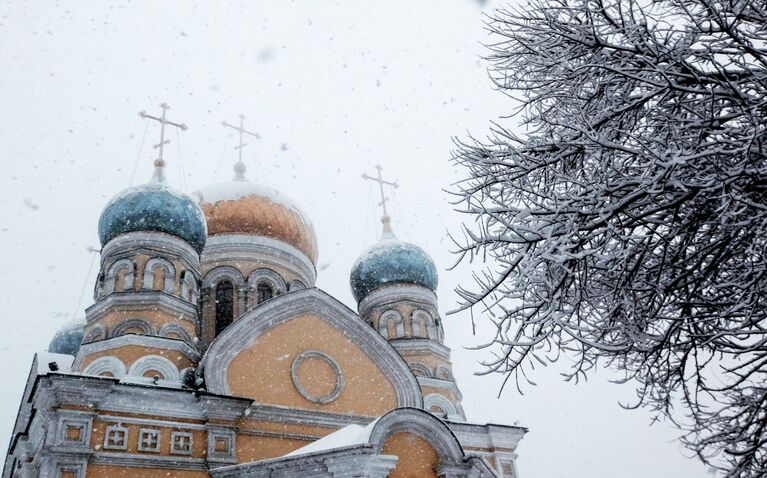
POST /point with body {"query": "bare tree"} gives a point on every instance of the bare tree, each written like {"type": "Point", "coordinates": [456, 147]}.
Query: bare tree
{"type": "Point", "coordinates": [627, 223]}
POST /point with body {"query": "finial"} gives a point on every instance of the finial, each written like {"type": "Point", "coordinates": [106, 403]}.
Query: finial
{"type": "Point", "coordinates": [239, 166]}
{"type": "Point", "coordinates": [159, 164]}
{"type": "Point", "coordinates": [385, 219]}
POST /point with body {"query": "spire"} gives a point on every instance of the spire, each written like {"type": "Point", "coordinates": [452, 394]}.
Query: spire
{"type": "Point", "coordinates": [159, 164]}
{"type": "Point", "coordinates": [239, 166]}
{"type": "Point", "coordinates": [385, 218]}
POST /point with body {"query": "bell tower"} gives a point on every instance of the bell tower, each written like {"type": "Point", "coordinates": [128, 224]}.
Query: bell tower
{"type": "Point", "coordinates": [144, 325]}
{"type": "Point", "coordinates": [394, 284]}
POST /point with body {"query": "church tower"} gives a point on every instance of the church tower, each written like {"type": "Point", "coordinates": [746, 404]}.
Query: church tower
{"type": "Point", "coordinates": [143, 325]}
{"type": "Point", "coordinates": [394, 284]}
{"type": "Point", "coordinates": [260, 245]}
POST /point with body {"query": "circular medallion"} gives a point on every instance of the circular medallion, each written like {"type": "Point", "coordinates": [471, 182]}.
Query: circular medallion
{"type": "Point", "coordinates": [316, 376]}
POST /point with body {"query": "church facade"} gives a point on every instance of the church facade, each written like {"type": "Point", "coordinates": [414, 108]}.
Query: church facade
{"type": "Point", "coordinates": [208, 351]}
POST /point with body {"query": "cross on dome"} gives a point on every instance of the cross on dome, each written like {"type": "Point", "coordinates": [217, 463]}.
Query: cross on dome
{"type": "Point", "coordinates": [239, 166]}
{"type": "Point", "coordinates": [385, 219]}
{"type": "Point", "coordinates": [159, 163]}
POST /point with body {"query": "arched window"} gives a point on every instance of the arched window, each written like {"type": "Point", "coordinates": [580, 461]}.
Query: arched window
{"type": "Point", "coordinates": [224, 305]}
{"type": "Point", "coordinates": [264, 292]}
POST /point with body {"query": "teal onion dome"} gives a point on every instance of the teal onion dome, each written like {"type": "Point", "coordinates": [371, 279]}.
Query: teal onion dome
{"type": "Point", "coordinates": [392, 261]}
{"type": "Point", "coordinates": [68, 339]}
{"type": "Point", "coordinates": [157, 208]}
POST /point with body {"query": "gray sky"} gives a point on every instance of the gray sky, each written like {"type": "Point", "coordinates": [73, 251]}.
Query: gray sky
{"type": "Point", "coordinates": [333, 88]}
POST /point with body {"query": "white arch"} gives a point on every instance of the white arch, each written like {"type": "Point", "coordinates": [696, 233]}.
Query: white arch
{"type": "Point", "coordinates": [436, 399]}
{"type": "Point", "coordinates": [399, 324]}
{"type": "Point", "coordinates": [170, 274]}
{"type": "Point", "coordinates": [218, 274]}
{"type": "Point", "coordinates": [155, 362]}
{"type": "Point", "coordinates": [422, 324]}
{"type": "Point", "coordinates": [111, 276]}
{"type": "Point", "coordinates": [146, 327]}
{"type": "Point", "coordinates": [175, 329]}
{"type": "Point", "coordinates": [273, 279]}
{"type": "Point", "coordinates": [103, 365]}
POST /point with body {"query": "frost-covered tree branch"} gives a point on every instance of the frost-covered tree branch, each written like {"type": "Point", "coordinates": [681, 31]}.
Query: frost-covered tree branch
{"type": "Point", "coordinates": [628, 224]}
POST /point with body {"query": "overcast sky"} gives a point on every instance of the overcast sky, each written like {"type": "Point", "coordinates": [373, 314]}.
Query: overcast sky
{"type": "Point", "coordinates": [333, 88]}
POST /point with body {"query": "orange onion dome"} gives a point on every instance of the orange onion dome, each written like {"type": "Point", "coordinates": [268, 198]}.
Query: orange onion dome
{"type": "Point", "coordinates": [241, 207]}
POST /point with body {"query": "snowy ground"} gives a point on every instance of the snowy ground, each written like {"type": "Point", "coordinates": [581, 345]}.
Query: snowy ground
{"type": "Point", "coordinates": [333, 89]}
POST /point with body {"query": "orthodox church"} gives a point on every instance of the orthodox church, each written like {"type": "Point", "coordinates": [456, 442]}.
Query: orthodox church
{"type": "Point", "coordinates": [209, 351]}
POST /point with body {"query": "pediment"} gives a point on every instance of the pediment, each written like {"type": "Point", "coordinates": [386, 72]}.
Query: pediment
{"type": "Point", "coordinates": [307, 350]}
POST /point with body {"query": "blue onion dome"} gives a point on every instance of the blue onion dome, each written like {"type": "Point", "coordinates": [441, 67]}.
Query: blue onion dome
{"type": "Point", "coordinates": [154, 207]}
{"type": "Point", "coordinates": [391, 261]}
{"type": "Point", "coordinates": [68, 339]}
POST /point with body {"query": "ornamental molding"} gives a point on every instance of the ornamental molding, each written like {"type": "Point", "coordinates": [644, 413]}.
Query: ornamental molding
{"type": "Point", "coordinates": [132, 339]}
{"type": "Point", "coordinates": [280, 414]}
{"type": "Point", "coordinates": [136, 302]}
{"type": "Point", "coordinates": [487, 436]}
{"type": "Point", "coordinates": [223, 248]}
{"type": "Point", "coordinates": [244, 331]}
{"type": "Point", "coordinates": [421, 346]}
{"type": "Point", "coordinates": [396, 294]}
{"type": "Point", "coordinates": [153, 244]}
{"type": "Point", "coordinates": [420, 423]}
{"type": "Point", "coordinates": [316, 354]}
{"type": "Point", "coordinates": [353, 461]}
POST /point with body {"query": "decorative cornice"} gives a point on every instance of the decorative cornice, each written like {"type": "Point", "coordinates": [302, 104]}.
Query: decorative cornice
{"type": "Point", "coordinates": [130, 243]}
{"type": "Point", "coordinates": [136, 301]}
{"type": "Point", "coordinates": [487, 436]}
{"type": "Point", "coordinates": [396, 293]}
{"type": "Point", "coordinates": [245, 330]}
{"type": "Point", "coordinates": [276, 413]}
{"type": "Point", "coordinates": [223, 248]}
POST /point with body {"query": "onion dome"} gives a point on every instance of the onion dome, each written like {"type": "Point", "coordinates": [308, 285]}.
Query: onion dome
{"type": "Point", "coordinates": [241, 207]}
{"type": "Point", "coordinates": [391, 261]}
{"type": "Point", "coordinates": [154, 207]}
{"type": "Point", "coordinates": [68, 339]}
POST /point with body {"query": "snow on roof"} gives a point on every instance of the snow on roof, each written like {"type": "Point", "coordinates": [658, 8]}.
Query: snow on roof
{"type": "Point", "coordinates": [346, 436]}
{"type": "Point", "coordinates": [231, 190]}
{"type": "Point", "coordinates": [45, 359]}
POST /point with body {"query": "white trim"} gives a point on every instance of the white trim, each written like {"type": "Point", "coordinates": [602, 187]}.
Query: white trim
{"type": "Point", "coordinates": [102, 365]}
{"type": "Point", "coordinates": [143, 340]}
{"type": "Point", "coordinates": [442, 402]}
{"type": "Point", "coordinates": [132, 243]}
{"type": "Point", "coordinates": [169, 284]}
{"type": "Point", "coordinates": [133, 303]}
{"type": "Point", "coordinates": [147, 328]}
{"type": "Point", "coordinates": [393, 294]}
{"type": "Point", "coordinates": [155, 362]}
{"type": "Point", "coordinates": [175, 329]}
{"type": "Point", "coordinates": [110, 278]}
{"type": "Point", "coordinates": [399, 324]}
{"type": "Point", "coordinates": [221, 273]}
{"type": "Point", "coordinates": [246, 330]}
{"type": "Point", "coordinates": [271, 253]}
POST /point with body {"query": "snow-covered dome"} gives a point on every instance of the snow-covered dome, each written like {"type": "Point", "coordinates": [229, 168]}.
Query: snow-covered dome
{"type": "Point", "coordinates": [391, 261]}
{"type": "Point", "coordinates": [153, 207]}
{"type": "Point", "coordinates": [241, 207]}
{"type": "Point", "coordinates": [68, 339]}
